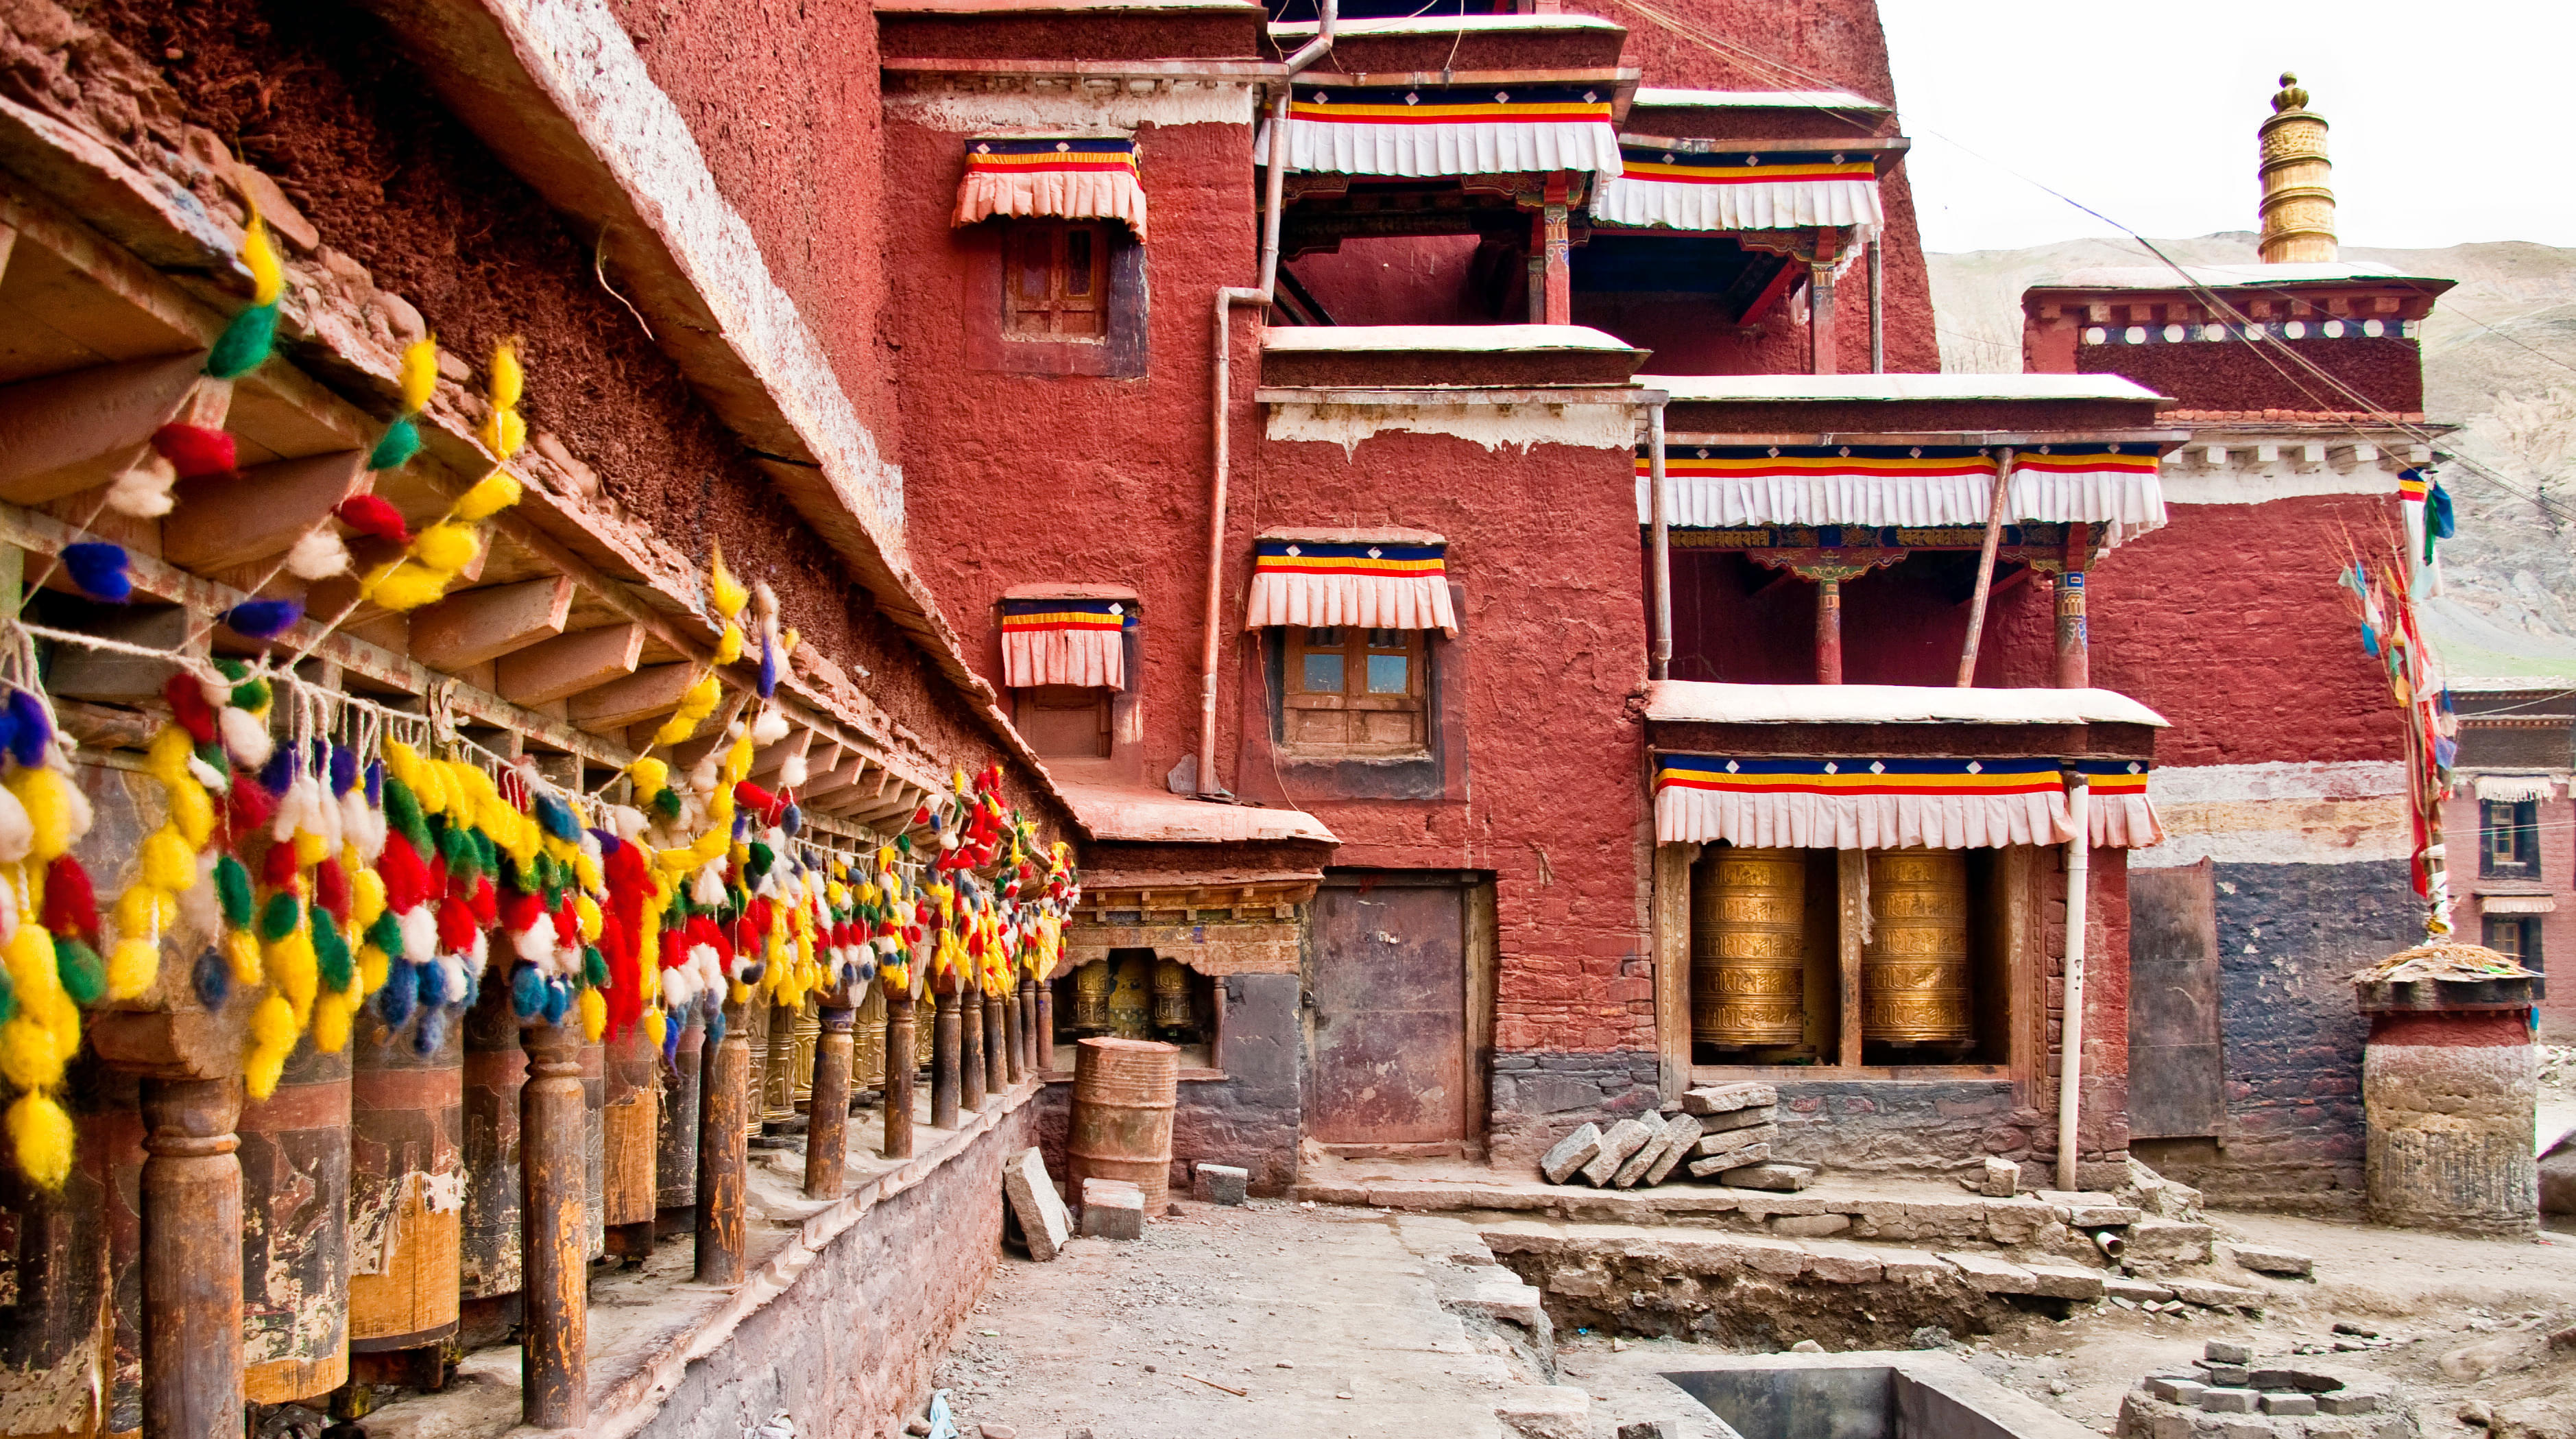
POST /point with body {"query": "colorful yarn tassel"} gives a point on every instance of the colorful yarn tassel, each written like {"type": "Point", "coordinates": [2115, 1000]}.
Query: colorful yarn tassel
{"type": "Point", "coordinates": [263, 619]}
{"type": "Point", "coordinates": [98, 569]}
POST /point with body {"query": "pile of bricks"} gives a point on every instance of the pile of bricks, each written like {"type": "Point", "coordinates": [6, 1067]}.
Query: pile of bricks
{"type": "Point", "coordinates": [1723, 1132]}
{"type": "Point", "coordinates": [2229, 1392]}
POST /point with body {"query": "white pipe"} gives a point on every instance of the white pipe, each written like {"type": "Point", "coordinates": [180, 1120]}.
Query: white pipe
{"type": "Point", "coordinates": [2070, 1068]}
{"type": "Point", "coordinates": [1222, 376]}
{"type": "Point", "coordinates": [2111, 1245]}
{"type": "Point", "coordinates": [1877, 307]}
{"type": "Point", "coordinates": [1663, 637]}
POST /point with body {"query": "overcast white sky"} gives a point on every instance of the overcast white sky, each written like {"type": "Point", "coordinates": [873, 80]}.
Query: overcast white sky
{"type": "Point", "coordinates": [2445, 116]}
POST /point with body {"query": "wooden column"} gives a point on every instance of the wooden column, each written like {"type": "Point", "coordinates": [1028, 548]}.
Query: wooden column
{"type": "Point", "coordinates": [900, 1063]}
{"type": "Point", "coordinates": [827, 1114]}
{"type": "Point", "coordinates": [724, 1085]}
{"type": "Point", "coordinates": [1829, 631]}
{"type": "Point", "coordinates": [1551, 278]}
{"type": "Point", "coordinates": [554, 1232]}
{"type": "Point", "coordinates": [970, 1048]}
{"type": "Point", "coordinates": [1852, 882]}
{"type": "Point", "coordinates": [2074, 658]}
{"type": "Point", "coordinates": [1820, 305]}
{"type": "Point", "coordinates": [947, 1037]}
{"type": "Point", "coordinates": [1028, 1029]}
{"type": "Point", "coordinates": [192, 1260]}
{"type": "Point", "coordinates": [1046, 1025]}
{"type": "Point", "coordinates": [998, 1041]}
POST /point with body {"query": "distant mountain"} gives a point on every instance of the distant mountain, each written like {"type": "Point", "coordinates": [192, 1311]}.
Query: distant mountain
{"type": "Point", "coordinates": [2499, 362]}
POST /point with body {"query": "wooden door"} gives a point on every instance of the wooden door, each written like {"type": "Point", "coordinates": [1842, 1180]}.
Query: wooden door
{"type": "Point", "coordinates": [1389, 986]}
{"type": "Point", "coordinates": [2177, 1070]}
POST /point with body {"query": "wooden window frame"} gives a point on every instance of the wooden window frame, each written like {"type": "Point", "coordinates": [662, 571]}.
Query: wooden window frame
{"type": "Point", "coordinates": [2525, 949]}
{"type": "Point", "coordinates": [2517, 824]}
{"type": "Point", "coordinates": [1076, 272]}
{"type": "Point", "coordinates": [1355, 647]}
{"type": "Point", "coordinates": [1102, 699]}
{"type": "Point", "coordinates": [983, 307]}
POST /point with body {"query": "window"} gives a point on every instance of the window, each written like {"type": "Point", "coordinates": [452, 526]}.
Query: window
{"type": "Point", "coordinates": [2509, 839]}
{"type": "Point", "coordinates": [2516, 937]}
{"type": "Point", "coordinates": [1355, 691]}
{"type": "Point", "coordinates": [1063, 721]}
{"type": "Point", "coordinates": [1055, 282]}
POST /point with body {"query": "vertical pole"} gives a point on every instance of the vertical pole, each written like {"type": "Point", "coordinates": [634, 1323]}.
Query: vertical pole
{"type": "Point", "coordinates": [554, 1233]}
{"type": "Point", "coordinates": [1028, 1026]}
{"type": "Point", "coordinates": [1558, 278]}
{"type": "Point", "coordinates": [970, 1047]}
{"type": "Point", "coordinates": [997, 1047]}
{"type": "Point", "coordinates": [1046, 1025]}
{"type": "Point", "coordinates": [900, 1062]}
{"type": "Point", "coordinates": [1829, 632]}
{"type": "Point", "coordinates": [2074, 660]}
{"type": "Point", "coordinates": [1015, 1065]}
{"type": "Point", "coordinates": [827, 1121]}
{"type": "Point", "coordinates": [2070, 1064]}
{"type": "Point", "coordinates": [1820, 306]}
{"type": "Point", "coordinates": [192, 1259]}
{"type": "Point", "coordinates": [1877, 307]}
{"type": "Point", "coordinates": [1662, 667]}
{"type": "Point", "coordinates": [1986, 567]}
{"type": "Point", "coordinates": [947, 1038]}
{"type": "Point", "coordinates": [1538, 268]}
{"type": "Point", "coordinates": [724, 1083]}
{"type": "Point", "coordinates": [1851, 882]}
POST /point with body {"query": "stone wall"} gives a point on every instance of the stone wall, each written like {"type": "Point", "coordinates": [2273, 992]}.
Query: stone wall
{"type": "Point", "coordinates": [1540, 1095]}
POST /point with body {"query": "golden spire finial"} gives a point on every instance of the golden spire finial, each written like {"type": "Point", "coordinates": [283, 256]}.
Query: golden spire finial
{"type": "Point", "coordinates": [2298, 207]}
{"type": "Point", "coordinates": [2291, 97]}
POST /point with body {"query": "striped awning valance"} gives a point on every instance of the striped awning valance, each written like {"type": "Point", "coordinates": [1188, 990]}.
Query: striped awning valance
{"type": "Point", "coordinates": [1678, 190]}
{"type": "Point", "coordinates": [1893, 803]}
{"type": "Point", "coordinates": [1065, 642]}
{"type": "Point", "coordinates": [1453, 130]}
{"type": "Point", "coordinates": [1373, 584]}
{"type": "Point", "coordinates": [1723, 487]}
{"type": "Point", "coordinates": [1064, 177]}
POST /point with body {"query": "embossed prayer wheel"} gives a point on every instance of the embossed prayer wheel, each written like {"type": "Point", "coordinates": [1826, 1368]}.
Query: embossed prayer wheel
{"type": "Point", "coordinates": [1123, 1095]}
{"type": "Point", "coordinates": [295, 1231]}
{"type": "Point", "coordinates": [755, 1028]}
{"type": "Point", "coordinates": [631, 1127]}
{"type": "Point", "coordinates": [594, 1150]}
{"type": "Point", "coordinates": [1091, 985]}
{"type": "Point", "coordinates": [496, 1067]}
{"type": "Point", "coordinates": [868, 1041]}
{"type": "Point", "coordinates": [1172, 995]}
{"type": "Point", "coordinates": [1131, 996]}
{"type": "Point", "coordinates": [1748, 975]}
{"type": "Point", "coordinates": [675, 1149]}
{"type": "Point", "coordinates": [1914, 966]}
{"type": "Point", "coordinates": [777, 1092]}
{"type": "Point", "coordinates": [925, 1026]}
{"type": "Point", "coordinates": [406, 1184]}
{"type": "Point", "coordinates": [808, 1031]}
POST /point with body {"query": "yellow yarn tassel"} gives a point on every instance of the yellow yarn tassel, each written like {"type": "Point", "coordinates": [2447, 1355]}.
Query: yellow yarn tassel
{"type": "Point", "coordinates": [296, 972]}
{"type": "Point", "coordinates": [489, 496]}
{"type": "Point", "coordinates": [331, 1021]}
{"type": "Point", "coordinates": [419, 374]}
{"type": "Point", "coordinates": [448, 547]}
{"type": "Point", "coordinates": [373, 965]}
{"type": "Point", "coordinates": [259, 256]}
{"type": "Point", "coordinates": [729, 645]}
{"type": "Point", "coordinates": [594, 1015]}
{"type": "Point", "coordinates": [242, 953]}
{"type": "Point", "coordinates": [167, 760]}
{"type": "Point", "coordinates": [509, 381]}
{"type": "Point", "coordinates": [727, 592]}
{"type": "Point", "coordinates": [404, 763]}
{"type": "Point", "coordinates": [655, 1027]}
{"type": "Point", "coordinates": [308, 849]}
{"type": "Point", "coordinates": [408, 586]}
{"type": "Point", "coordinates": [40, 1134]}
{"type": "Point", "coordinates": [192, 812]}
{"type": "Point", "coordinates": [366, 901]}
{"type": "Point", "coordinates": [651, 776]}
{"type": "Point", "coordinates": [169, 861]}
{"type": "Point", "coordinates": [272, 1039]}
{"type": "Point", "coordinates": [46, 796]}
{"type": "Point", "coordinates": [132, 965]}
{"type": "Point", "coordinates": [586, 917]}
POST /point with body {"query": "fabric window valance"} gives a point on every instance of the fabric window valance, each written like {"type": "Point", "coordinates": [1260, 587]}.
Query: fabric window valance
{"type": "Point", "coordinates": [1351, 579]}
{"type": "Point", "coordinates": [1065, 642]}
{"type": "Point", "coordinates": [1064, 177]}
{"type": "Point", "coordinates": [1891, 803]}
{"type": "Point", "coordinates": [1677, 190]}
{"type": "Point", "coordinates": [1456, 130]}
{"type": "Point", "coordinates": [1723, 487]}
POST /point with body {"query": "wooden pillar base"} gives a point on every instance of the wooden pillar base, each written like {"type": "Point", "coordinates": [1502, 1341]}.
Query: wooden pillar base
{"type": "Point", "coordinates": [827, 1158]}
{"type": "Point", "coordinates": [554, 1232]}
{"type": "Point", "coordinates": [898, 1076]}
{"type": "Point", "coordinates": [192, 1259]}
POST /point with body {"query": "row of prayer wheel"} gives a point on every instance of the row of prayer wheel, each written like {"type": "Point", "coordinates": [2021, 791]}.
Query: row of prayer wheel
{"type": "Point", "coordinates": [1749, 948]}
{"type": "Point", "coordinates": [1130, 997]}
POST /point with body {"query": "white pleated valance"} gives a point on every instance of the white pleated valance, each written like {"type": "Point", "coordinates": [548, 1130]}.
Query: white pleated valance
{"type": "Point", "coordinates": [1889, 803]}
{"type": "Point", "coordinates": [2116, 805]}
{"type": "Point", "coordinates": [1681, 191]}
{"type": "Point", "coordinates": [2516, 788]}
{"type": "Point", "coordinates": [1395, 580]}
{"type": "Point", "coordinates": [1455, 130]}
{"type": "Point", "coordinates": [1065, 177]}
{"type": "Point", "coordinates": [1727, 488]}
{"type": "Point", "coordinates": [1065, 642]}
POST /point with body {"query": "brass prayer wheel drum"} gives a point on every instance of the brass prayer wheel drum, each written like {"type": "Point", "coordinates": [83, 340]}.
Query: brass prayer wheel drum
{"type": "Point", "coordinates": [777, 1092]}
{"type": "Point", "coordinates": [809, 1036]}
{"type": "Point", "coordinates": [1914, 966]}
{"type": "Point", "coordinates": [675, 1146]}
{"type": "Point", "coordinates": [1748, 973]}
{"type": "Point", "coordinates": [1123, 1094]}
{"type": "Point", "coordinates": [755, 1027]}
{"type": "Point", "coordinates": [1172, 995]}
{"type": "Point", "coordinates": [594, 1152]}
{"type": "Point", "coordinates": [1091, 985]}
{"type": "Point", "coordinates": [496, 1068]}
{"type": "Point", "coordinates": [630, 1126]}
{"type": "Point", "coordinates": [406, 1186]}
{"type": "Point", "coordinates": [1131, 1004]}
{"type": "Point", "coordinates": [295, 1232]}
{"type": "Point", "coordinates": [868, 1041]}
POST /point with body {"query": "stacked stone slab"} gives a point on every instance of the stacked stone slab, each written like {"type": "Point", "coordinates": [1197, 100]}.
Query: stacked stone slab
{"type": "Point", "coordinates": [1723, 1132]}
{"type": "Point", "coordinates": [2231, 1392]}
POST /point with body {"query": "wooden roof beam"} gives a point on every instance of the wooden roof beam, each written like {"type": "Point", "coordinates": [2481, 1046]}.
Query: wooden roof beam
{"type": "Point", "coordinates": [478, 625]}
{"type": "Point", "coordinates": [645, 694]}
{"type": "Point", "coordinates": [62, 434]}
{"type": "Point", "coordinates": [226, 520]}
{"type": "Point", "coordinates": [566, 665]}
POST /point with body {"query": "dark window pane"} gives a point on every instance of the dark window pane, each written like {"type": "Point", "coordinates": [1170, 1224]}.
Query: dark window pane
{"type": "Point", "coordinates": [1077, 262]}
{"type": "Point", "coordinates": [1386, 674]}
{"type": "Point", "coordinates": [1323, 673]}
{"type": "Point", "coordinates": [1328, 638]}
{"type": "Point", "coordinates": [1386, 639]}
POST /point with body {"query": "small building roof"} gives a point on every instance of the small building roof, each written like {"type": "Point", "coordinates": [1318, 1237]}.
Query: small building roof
{"type": "Point", "coordinates": [1699, 702]}
{"type": "Point", "coordinates": [1044, 7]}
{"type": "Point", "coordinates": [1649, 97]}
{"type": "Point", "coordinates": [1462, 339]}
{"type": "Point", "coordinates": [1771, 389]}
{"type": "Point", "coordinates": [1381, 535]}
{"type": "Point", "coordinates": [1119, 812]}
{"type": "Point", "coordinates": [1450, 25]}
{"type": "Point", "coordinates": [2231, 277]}
{"type": "Point", "coordinates": [1070, 592]}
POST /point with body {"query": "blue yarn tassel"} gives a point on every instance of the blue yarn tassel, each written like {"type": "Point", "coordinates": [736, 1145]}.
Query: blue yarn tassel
{"type": "Point", "coordinates": [344, 769]}
{"type": "Point", "coordinates": [768, 668]}
{"type": "Point", "coordinates": [263, 619]}
{"type": "Point", "coordinates": [433, 986]}
{"type": "Point", "coordinates": [792, 820]}
{"type": "Point", "coordinates": [432, 1033]}
{"type": "Point", "coordinates": [30, 734]}
{"type": "Point", "coordinates": [279, 772]}
{"type": "Point", "coordinates": [214, 979]}
{"type": "Point", "coordinates": [558, 1001]}
{"type": "Point", "coordinates": [376, 784]}
{"type": "Point", "coordinates": [98, 568]}
{"type": "Point", "coordinates": [671, 1042]}
{"type": "Point", "coordinates": [394, 1001]}
{"type": "Point", "coordinates": [715, 1024]}
{"type": "Point", "coordinates": [527, 992]}
{"type": "Point", "coordinates": [557, 818]}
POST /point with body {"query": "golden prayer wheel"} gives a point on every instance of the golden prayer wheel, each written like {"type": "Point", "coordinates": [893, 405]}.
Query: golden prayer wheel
{"type": "Point", "coordinates": [1172, 995]}
{"type": "Point", "coordinates": [809, 1035]}
{"type": "Point", "coordinates": [925, 1027]}
{"type": "Point", "coordinates": [1131, 1003]}
{"type": "Point", "coordinates": [631, 1126]}
{"type": "Point", "coordinates": [777, 1095]}
{"type": "Point", "coordinates": [755, 1024]}
{"type": "Point", "coordinates": [675, 1147]}
{"type": "Point", "coordinates": [594, 1152]}
{"type": "Point", "coordinates": [1091, 985]}
{"type": "Point", "coordinates": [294, 1158]}
{"type": "Point", "coordinates": [868, 1041]}
{"type": "Point", "coordinates": [406, 1186]}
{"type": "Point", "coordinates": [1749, 947]}
{"type": "Point", "coordinates": [1914, 966]}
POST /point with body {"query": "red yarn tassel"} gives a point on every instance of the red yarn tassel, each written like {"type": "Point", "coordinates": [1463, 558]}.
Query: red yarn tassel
{"type": "Point", "coordinates": [331, 889]}
{"type": "Point", "coordinates": [71, 906]}
{"type": "Point", "coordinates": [188, 706]}
{"type": "Point", "coordinates": [371, 515]}
{"type": "Point", "coordinates": [456, 925]}
{"type": "Point", "coordinates": [194, 450]}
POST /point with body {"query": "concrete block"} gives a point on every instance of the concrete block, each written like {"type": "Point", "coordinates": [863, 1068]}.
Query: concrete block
{"type": "Point", "coordinates": [2229, 1400]}
{"type": "Point", "coordinates": [1810, 1226]}
{"type": "Point", "coordinates": [1571, 1153]}
{"type": "Point", "coordinates": [1842, 1264]}
{"type": "Point", "coordinates": [1781, 1178]}
{"type": "Point", "coordinates": [1990, 1275]}
{"type": "Point", "coordinates": [1681, 1132]}
{"type": "Point", "coordinates": [1219, 1183]}
{"type": "Point", "coordinates": [1737, 1118]}
{"type": "Point", "coordinates": [1617, 1142]}
{"type": "Point", "coordinates": [2228, 1376]}
{"type": "Point", "coordinates": [2002, 1179]}
{"type": "Point", "coordinates": [1635, 1166]}
{"type": "Point", "coordinates": [2248, 1429]}
{"type": "Point", "coordinates": [1034, 1202]}
{"type": "Point", "coordinates": [1112, 1209]}
{"type": "Point", "coordinates": [2065, 1281]}
{"type": "Point", "coordinates": [2211, 1296]}
{"type": "Point", "coordinates": [2220, 1351]}
{"type": "Point", "coordinates": [2169, 1239]}
{"type": "Point", "coordinates": [2136, 1291]}
{"type": "Point", "coordinates": [1728, 1098]}
{"type": "Point", "coordinates": [1908, 1266]}
{"type": "Point", "coordinates": [2289, 1403]}
{"type": "Point", "coordinates": [1714, 1167]}
{"type": "Point", "coordinates": [2357, 1403]}
{"type": "Point", "coordinates": [1546, 1411]}
{"type": "Point", "coordinates": [1728, 1141]}
{"type": "Point", "coordinates": [2176, 1391]}
{"type": "Point", "coordinates": [2263, 1259]}
{"type": "Point", "coordinates": [2012, 1222]}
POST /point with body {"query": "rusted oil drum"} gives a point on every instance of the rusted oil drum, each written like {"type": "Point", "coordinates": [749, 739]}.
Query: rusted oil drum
{"type": "Point", "coordinates": [675, 1154]}
{"type": "Point", "coordinates": [630, 1127]}
{"type": "Point", "coordinates": [1131, 996]}
{"type": "Point", "coordinates": [594, 1147]}
{"type": "Point", "coordinates": [1914, 965]}
{"type": "Point", "coordinates": [496, 1068]}
{"type": "Point", "coordinates": [1123, 1092]}
{"type": "Point", "coordinates": [1172, 995]}
{"type": "Point", "coordinates": [295, 1232]}
{"type": "Point", "coordinates": [1748, 975]}
{"type": "Point", "coordinates": [867, 1041]}
{"type": "Point", "coordinates": [406, 1185]}
{"type": "Point", "coordinates": [1091, 985]}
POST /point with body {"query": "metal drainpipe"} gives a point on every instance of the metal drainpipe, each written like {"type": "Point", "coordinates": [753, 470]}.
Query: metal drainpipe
{"type": "Point", "coordinates": [1222, 373]}
{"type": "Point", "coordinates": [1663, 654]}
{"type": "Point", "coordinates": [2070, 1065]}
{"type": "Point", "coordinates": [1877, 307]}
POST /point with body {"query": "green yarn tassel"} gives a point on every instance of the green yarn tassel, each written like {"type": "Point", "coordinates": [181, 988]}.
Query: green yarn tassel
{"type": "Point", "coordinates": [84, 974]}
{"type": "Point", "coordinates": [244, 344]}
{"type": "Point", "coordinates": [232, 887]}
{"type": "Point", "coordinates": [401, 442]}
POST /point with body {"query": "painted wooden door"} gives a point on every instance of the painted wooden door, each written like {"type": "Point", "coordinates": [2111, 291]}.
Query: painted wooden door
{"type": "Point", "coordinates": [1390, 1015]}
{"type": "Point", "coordinates": [2177, 1071]}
